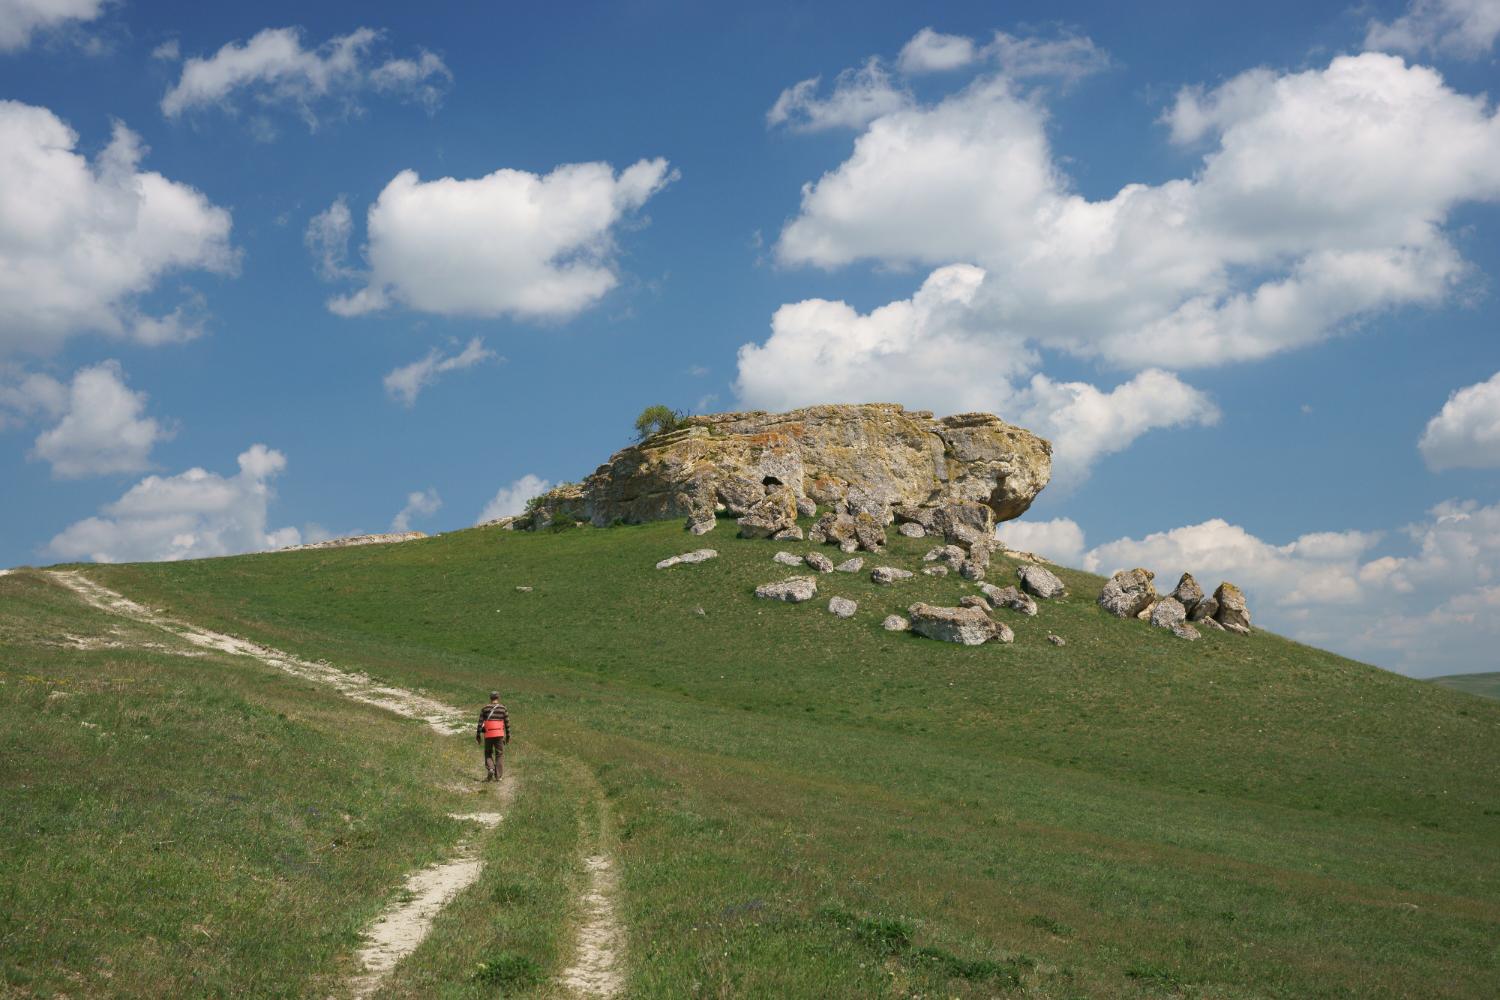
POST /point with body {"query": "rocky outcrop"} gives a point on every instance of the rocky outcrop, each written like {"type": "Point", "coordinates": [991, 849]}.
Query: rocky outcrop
{"type": "Point", "coordinates": [968, 626]}
{"type": "Point", "coordinates": [795, 590]}
{"type": "Point", "coordinates": [1128, 593]}
{"type": "Point", "coordinates": [772, 514]}
{"type": "Point", "coordinates": [1188, 593]}
{"type": "Point", "coordinates": [870, 457]}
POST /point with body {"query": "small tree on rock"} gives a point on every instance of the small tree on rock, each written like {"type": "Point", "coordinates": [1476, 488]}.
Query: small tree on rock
{"type": "Point", "coordinates": [656, 420]}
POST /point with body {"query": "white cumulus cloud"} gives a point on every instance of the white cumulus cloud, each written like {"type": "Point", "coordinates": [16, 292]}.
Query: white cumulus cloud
{"type": "Point", "coordinates": [931, 51]}
{"type": "Point", "coordinates": [1320, 202]}
{"type": "Point", "coordinates": [20, 20]}
{"type": "Point", "coordinates": [419, 503]}
{"type": "Point", "coordinates": [510, 243]}
{"type": "Point", "coordinates": [509, 501]}
{"type": "Point", "coordinates": [859, 96]}
{"type": "Point", "coordinates": [926, 352]}
{"type": "Point", "coordinates": [1060, 539]}
{"type": "Point", "coordinates": [1465, 433]}
{"type": "Point", "coordinates": [102, 428]}
{"type": "Point", "coordinates": [274, 68]}
{"type": "Point", "coordinates": [191, 515]}
{"type": "Point", "coordinates": [81, 241]}
{"type": "Point", "coordinates": [406, 382]}
{"type": "Point", "coordinates": [1462, 28]}
{"type": "Point", "coordinates": [327, 239]}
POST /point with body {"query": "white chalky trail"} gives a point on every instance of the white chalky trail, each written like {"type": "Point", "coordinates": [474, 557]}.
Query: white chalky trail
{"type": "Point", "coordinates": [398, 931]}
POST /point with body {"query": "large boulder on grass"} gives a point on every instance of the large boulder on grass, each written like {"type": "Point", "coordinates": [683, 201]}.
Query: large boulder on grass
{"type": "Point", "coordinates": [772, 515]}
{"type": "Point", "coordinates": [1128, 593]}
{"type": "Point", "coordinates": [1040, 582]}
{"type": "Point", "coordinates": [1188, 593]}
{"type": "Point", "coordinates": [1234, 611]}
{"type": "Point", "coordinates": [794, 589]}
{"type": "Point", "coordinates": [967, 626]}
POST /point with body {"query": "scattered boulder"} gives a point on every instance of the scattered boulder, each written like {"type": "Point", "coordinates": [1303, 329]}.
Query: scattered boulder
{"type": "Point", "coordinates": [787, 559]}
{"type": "Point", "coordinates": [895, 623]}
{"type": "Point", "coordinates": [850, 566]}
{"type": "Point", "coordinates": [806, 506]}
{"type": "Point", "coordinates": [1009, 597]}
{"type": "Point", "coordinates": [889, 574]}
{"type": "Point", "coordinates": [1168, 612]}
{"type": "Point", "coordinates": [1040, 582]}
{"type": "Point", "coordinates": [835, 528]}
{"type": "Point", "coordinates": [1188, 593]}
{"type": "Point", "coordinates": [688, 558]}
{"type": "Point", "coordinates": [950, 555]}
{"type": "Point", "coordinates": [975, 601]}
{"type": "Point", "coordinates": [702, 526]}
{"type": "Point", "coordinates": [979, 554]}
{"type": "Point", "coordinates": [1206, 607]}
{"type": "Point", "coordinates": [1056, 640]}
{"type": "Point", "coordinates": [792, 534]}
{"type": "Point", "coordinates": [937, 569]}
{"type": "Point", "coordinates": [869, 531]}
{"type": "Point", "coordinates": [1128, 593]}
{"type": "Point", "coordinates": [523, 590]}
{"type": "Point", "coordinates": [911, 529]}
{"type": "Point", "coordinates": [1233, 609]}
{"type": "Point", "coordinates": [842, 606]}
{"type": "Point", "coordinates": [739, 495]}
{"type": "Point", "coordinates": [964, 522]}
{"type": "Point", "coordinates": [777, 512]}
{"type": "Point", "coordinates": [819, 562]}
{"type": "Point", "coordinates": [1003, 633]}
{"type": "Point", "coordinates": [1183, 630]}
{"type": "Point", "coordinates": [794, 589]}
{"type": "Point", "coordinates": [968, 626]}
{"type": "Point", "coordinates": [971, 570]}
{"type": "Point", "coordinates": [1210, 624]}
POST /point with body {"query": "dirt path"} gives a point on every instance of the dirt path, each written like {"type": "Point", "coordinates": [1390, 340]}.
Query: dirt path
{"type": "Point", "coordinates": [397, 932]}
{"type": "Point", "coordinates": [595, 970]}
{"type": "Point", "coordinates": [351, 684]}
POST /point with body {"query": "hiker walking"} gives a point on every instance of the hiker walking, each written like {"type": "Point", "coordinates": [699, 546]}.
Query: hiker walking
{"type": "Point", "coordinates": [494, 732]}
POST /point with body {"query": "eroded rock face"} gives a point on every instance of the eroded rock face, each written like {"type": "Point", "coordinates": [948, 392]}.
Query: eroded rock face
{"type": "Point", "coordinates": [1128, 593]}
{"type": "Point", "coordinates": [1168, 613]}
{"type": "Point", "coordinates": [969, 626]}
{"type": "Point", "coordinates": [880, 452]}
{"type": "Point", "coordinates": [1188, 593]}
{"type": "Point", "coordinates": [771, 516]}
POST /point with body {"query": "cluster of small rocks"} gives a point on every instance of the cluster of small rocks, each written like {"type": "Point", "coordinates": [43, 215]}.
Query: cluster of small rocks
{"type": "Point", "coordinates": [1131, 593]}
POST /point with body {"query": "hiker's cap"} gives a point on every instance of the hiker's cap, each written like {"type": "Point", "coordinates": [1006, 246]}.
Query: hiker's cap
{"type": "Point", "coordinates": [494, 696]}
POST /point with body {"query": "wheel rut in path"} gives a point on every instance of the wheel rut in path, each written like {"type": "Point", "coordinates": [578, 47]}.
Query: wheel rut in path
{"type": "Point", "coordinates": [595, 970]}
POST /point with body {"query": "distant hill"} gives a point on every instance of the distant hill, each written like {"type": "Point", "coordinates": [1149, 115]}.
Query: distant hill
{"type": "Point", "coordinates": [1485, 685]}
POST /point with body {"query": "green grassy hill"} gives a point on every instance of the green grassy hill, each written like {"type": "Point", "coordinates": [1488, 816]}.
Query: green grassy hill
{"type": "Point", "coordinates": [806, 806]}
{"type": "Point", "coordinates": [1485, 685]}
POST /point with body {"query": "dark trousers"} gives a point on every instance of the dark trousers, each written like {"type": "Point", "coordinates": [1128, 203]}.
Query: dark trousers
{"type": "Point", "coordinates": [494, 754]}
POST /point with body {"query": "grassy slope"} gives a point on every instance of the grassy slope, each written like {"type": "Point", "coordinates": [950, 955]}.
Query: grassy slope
{"type": "Point", "coordinates": [1485, 685]}
{"type": "Point", "coordinates": [205, 826]}
{"type": "Point", "coordinates": [810, 806]}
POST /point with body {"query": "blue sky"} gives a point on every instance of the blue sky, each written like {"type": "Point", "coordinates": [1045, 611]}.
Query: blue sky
{"type": "Point", "coordinates": [246, 239]}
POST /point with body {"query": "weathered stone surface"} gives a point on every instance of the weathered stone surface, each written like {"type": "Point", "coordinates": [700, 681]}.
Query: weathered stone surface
{"type": "Point", "coordinates": [819, 562]}
{"type": "Point", "coordinates": [842, 606]}
{"type": "Point", "coordinates": [1234, 627]}
{"type": "Point", "coordinates": [1009, 597]}
{"type": "Point", "coordinates": [1205, 608]}
{"type": "Point", "coordinates": [968, 626]}
{"type": "Point", "coordinates": [1188, 593]}
{"type": "Point", "coordinates": [869, 531]}
{"type": "Point", "coordinates": [1210, 624]}
{"type": "Point", "coordinates": [739, 495]}
{"type": "Point", "coordinates": [971, 570]}
{"type": "Point", "coordinates": [974, 601]}
{"type": "Point", "coordinates": [889, 574]}
{"type": "Point", "coordinates": [920, 516]}
{"type": "Point", "coordinates": [701, 527]}
{"type": "Point", "coordinates": [952, 556]}
{"type": "Point", "coordinates": [777, 512]}
{"type": "Point", "coordinates": [850, 566]}
{"type": "Point", "coordinates": [911, 529]}
{"type": "Point", "coordinates": [787, 559]}
{"type": "Point", "coordinates": [794, 589]}
{"type": "Point", "coordinates": [937, 569]}
{"type": "Point", "coordinates": [835, 527]}
{"type": "Point", "coordinates": [964, 522]}
{"type": "Point", "coordinates": [806, 507]}
{"type": "Point", "coordinates": [869, 500]}
{"type": "Point", "coordinates": [1183, 630]}
{"type": "Point", "coordinates": [688, 558]}
{"type": "Point", "coordinates": [1003, 633]}
{"type": "Point", "coordinates": [979, 553]}
{"type": "Point", "coordinates": [1040, 582]}
{"type": "Point", "coordinates": [792, 534]}
{"type": "Point", "coordinates": [895, 623]}
{"type": "Point", "coordinates": [1056, 640]}
{"type": "Point", "coordinates": [1233, 610]}
{"type": "Point", "coordinates": [1128, 593]}
{"type": "Point", "coordinates": [1144, 615]}
{"type": "Point", "coordinates": [1168, 612]}
{"type": "Point", "coordinates": [821, 452]}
